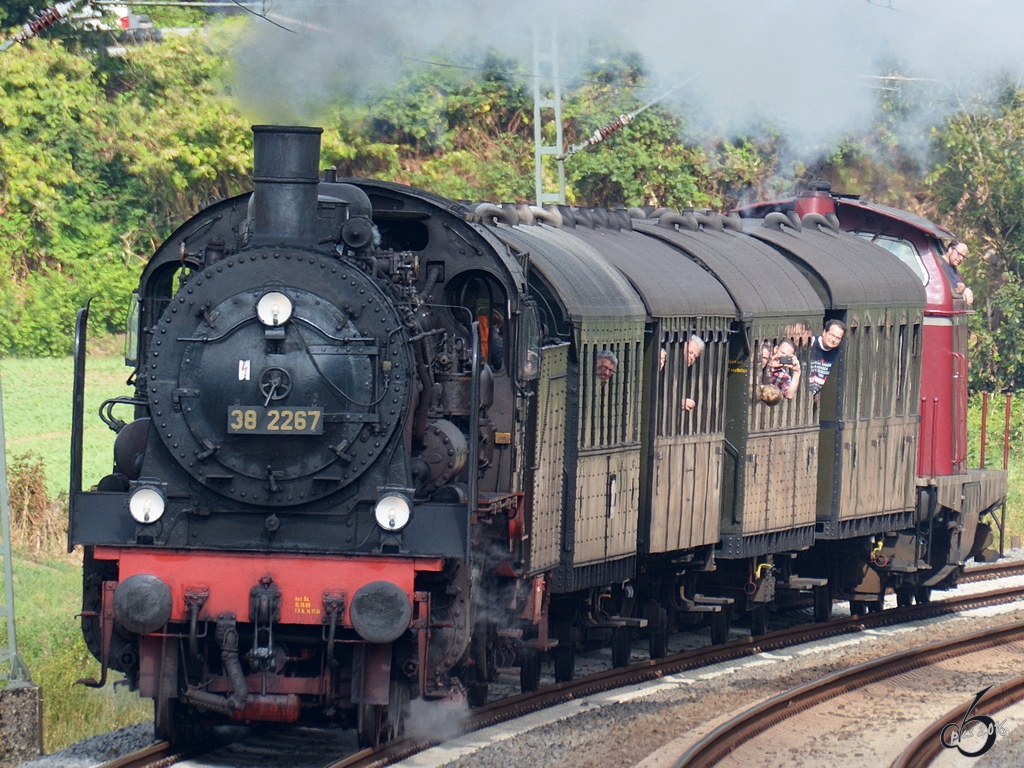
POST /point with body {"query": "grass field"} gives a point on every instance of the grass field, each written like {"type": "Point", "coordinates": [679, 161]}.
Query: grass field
{"type": "Point", "coordinates": [47, 599]}
{"type": "Point", "coordinates": [37, 413]}
{"type": "Point", "coordinates": [37, 418]}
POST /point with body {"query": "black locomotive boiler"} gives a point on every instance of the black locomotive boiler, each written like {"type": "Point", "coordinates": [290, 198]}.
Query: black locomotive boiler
{"type": "Point", "coordinates": [387, 446]}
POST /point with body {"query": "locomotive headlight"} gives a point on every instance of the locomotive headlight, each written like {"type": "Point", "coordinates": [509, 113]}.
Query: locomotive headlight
{"type": "Point", "coordinates": [393, 512]}
{"type": "Point", "coordinates": [146, 505]}
{"type": "Point", "coordinates": [274, 309]}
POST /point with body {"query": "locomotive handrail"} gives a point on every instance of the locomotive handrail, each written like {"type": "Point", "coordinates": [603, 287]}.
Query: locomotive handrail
{"type": "Point", "coordinates": [77, 415]}
{"type": "Point", "coordinates": [474, 429]}
{"type": "Point", "coordinates": [78, 399]}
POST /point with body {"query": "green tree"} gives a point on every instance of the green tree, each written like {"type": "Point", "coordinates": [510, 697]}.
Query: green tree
{"type": "Point", "coordinates": [978, 183]}
{"type": "Point", "coordinates": [97, 165]}
{"type": "Point", "coordinates": [14, 13]}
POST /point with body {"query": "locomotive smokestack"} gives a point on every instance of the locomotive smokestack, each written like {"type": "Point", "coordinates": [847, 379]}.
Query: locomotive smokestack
{"type": "Point", "coordinates": [286, 171]}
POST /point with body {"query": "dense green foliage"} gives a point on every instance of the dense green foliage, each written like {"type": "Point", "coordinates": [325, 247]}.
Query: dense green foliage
{"type": "Point", "coordinates": [979, 185]}
{"type": "Point", "coordinates": [101, 157]}
{"type": "Point", "coordinates": [97, 162]}
{"type": "Point", "coordinates": [14, 13]}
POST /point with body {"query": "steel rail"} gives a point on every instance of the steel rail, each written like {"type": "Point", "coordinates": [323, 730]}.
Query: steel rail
{"type": "Point", "coordinates": [923, 750]}
{"type": "Point", "coordinates": [990, 571]}
{"type": "Point", "coordinates": [756, 720]}
{"type": "Point", "coordinates": [516, 706]}
{"type": "Point", "coordinates": [157, 755]}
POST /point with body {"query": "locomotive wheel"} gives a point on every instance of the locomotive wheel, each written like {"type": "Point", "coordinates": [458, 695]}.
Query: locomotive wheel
{"type": "Point", "coordinates": [564, 654]}
{"type": "Point", "coordinates": [529, 669]}
{"type": "Point", "coordinates": [476, 687]}
{"type": "Point", "coordinates": [923, 595]}
{"type": "Point", "coordinates": [905, 596]}
{"type": "Point", "coordinates": [657, 625]}
{"type": "Point", "coordinates": [720, 621]}
{"type": "Point", "coordinates": [565, 663]}
{"type": "Point", "coordinates": [822, 604]}
{"type": "Point", "coordinates": [164, 711]}
{"type": "Point", "coordinates": [877, 605]}
{"type": "Point", "coordinates": [620, 647]}
{"type": "Point", "coordinates": [369, 725]}
{"type": "Point", "coordinates": [759, 620]}
{"type": "Point", "coordinates": [394, 719]}
{"type": "Point", "coordinates": [175, 723]}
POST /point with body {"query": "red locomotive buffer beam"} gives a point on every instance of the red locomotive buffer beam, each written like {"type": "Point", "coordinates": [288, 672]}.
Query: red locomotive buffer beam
{"type": "Point", "coordinates": [301, 578]}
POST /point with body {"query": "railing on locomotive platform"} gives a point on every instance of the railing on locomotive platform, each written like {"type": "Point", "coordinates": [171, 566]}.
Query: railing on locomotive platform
{"type": "Point", "coordinates": [983, 437]}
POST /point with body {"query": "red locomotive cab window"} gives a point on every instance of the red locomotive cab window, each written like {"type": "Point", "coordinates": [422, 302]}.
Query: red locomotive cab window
{"type": "Point", "coordinates": [902, 249]}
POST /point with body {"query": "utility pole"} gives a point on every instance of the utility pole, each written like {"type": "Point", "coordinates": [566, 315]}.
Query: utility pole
{"type": "Point", "coordinates": [21, 707]}
{"type": "Point", "coordinates": [547, 108]}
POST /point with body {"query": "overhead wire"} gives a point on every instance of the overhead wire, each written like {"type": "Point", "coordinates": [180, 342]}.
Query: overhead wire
{"type": "Point", "coordinates": [264, 17]}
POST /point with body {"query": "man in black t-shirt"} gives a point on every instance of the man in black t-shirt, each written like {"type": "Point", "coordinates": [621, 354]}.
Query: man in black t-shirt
{"type": "Point", "coordinates": [824, 351]}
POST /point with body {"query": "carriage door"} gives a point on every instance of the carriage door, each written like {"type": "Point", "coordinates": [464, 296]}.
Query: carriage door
{"type": "Point", "coordinates": [548, 439]}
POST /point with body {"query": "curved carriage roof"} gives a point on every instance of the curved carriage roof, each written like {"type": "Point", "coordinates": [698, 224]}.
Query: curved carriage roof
{"type": "Point", "coordinates": [760, 280]}
{"type": "Point", "coordinates": [854, 271]}
{"type": "Point", "coordinates": [590, 287]}
{"type": "Point", "coordinates": [669, 283]}
{"type": "Point", "coordinates": [918, 222]}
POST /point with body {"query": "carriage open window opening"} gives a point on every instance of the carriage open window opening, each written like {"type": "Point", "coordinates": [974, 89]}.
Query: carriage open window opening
{"type": "Point", "coordinates": [867, 363]}
{"type": "Point", "coordinates": [886, 402]}
{"type": "Point", "coordinates": [777, 381]}
{"type": "Point", "coordinates": [903, 362]}
{"type": "Point", "coordinates": [607, 393]}
{"type": "Point", "coordinates": [684, 382]}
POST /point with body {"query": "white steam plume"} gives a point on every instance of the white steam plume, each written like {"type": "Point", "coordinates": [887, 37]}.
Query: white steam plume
{"type": "Point", "coordinates": [805, 66]}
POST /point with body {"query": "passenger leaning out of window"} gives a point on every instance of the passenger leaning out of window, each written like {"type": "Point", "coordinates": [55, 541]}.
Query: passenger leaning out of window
{"type": "Point", "coordinates": [605, 364]}
{"type": "Point", "coordinates": [951, 261]}
{"type": "Point", "coordinates": [824, 351]}
{"type": "Point", "coordinates": [694, 347]}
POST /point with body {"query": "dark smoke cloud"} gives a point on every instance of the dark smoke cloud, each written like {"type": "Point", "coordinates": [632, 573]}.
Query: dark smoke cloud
{"type": "Point", "coordinates": [805, 66]}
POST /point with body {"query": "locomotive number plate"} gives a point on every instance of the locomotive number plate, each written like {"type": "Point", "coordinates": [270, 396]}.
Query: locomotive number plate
{"type": "Point", "coordinates": [257, 420]}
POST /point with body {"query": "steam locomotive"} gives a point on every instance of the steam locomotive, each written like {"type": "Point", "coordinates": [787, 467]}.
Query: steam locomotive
{"type": "Point", "coordinates": [385, 445]}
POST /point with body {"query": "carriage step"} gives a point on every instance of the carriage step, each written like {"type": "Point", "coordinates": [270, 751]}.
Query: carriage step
{"type": "Point", "coordinates": [797, 582]}
{"type": "Point", "coordinates": [704, 604]}
{"type": "Point", "coordinates": [536, 643]}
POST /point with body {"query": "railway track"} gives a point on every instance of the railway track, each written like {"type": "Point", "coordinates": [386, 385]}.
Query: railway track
{"type": "Point", "coordinates": [740, 730]}
{"type": "Point", "coordinates": [924, 749]}
{"type": "Point", "coordinates": [522, 704]}
{"type": "Point", "coordinates": [156, 755]}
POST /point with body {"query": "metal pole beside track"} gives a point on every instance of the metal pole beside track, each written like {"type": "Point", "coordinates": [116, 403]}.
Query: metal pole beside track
{"type": "Point", "coordinates": [1006, 464]}
{"type": "Point", "coordinates": [984, 426]}
{"type": "Point", "coordinates": [17, 671]}
{"type": "Point", "coordinates": [21, 701]}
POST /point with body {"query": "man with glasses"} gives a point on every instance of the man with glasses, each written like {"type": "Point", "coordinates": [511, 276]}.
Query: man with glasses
{"type": "Point", "coordinates": [951, 260]}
